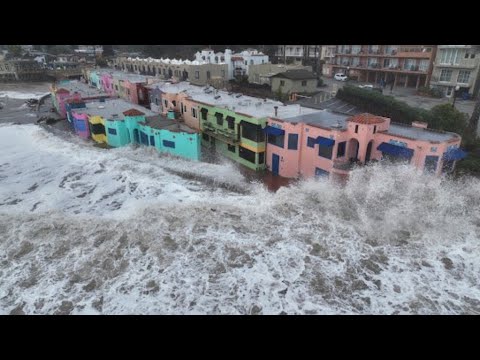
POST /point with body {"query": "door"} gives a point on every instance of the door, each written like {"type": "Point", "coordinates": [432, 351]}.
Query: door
{"type": "Point", "coordinates": [369, 152]}
{"type": "Point", "coordinates": [275, 163]}
{"type": "Point", "coordinates": [135, 136]}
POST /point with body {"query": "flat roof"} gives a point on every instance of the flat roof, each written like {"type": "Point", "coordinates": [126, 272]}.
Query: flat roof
{"type": "Point", "coordinates": [80, 87]}
{"type": "Point", "coordinates": [248, 105]}
{"type": "Point", "coordinates": [419, 133]}
{"type": "Point", "coordinates": [109, 107]}
{"type": "Point", "coordinates": [323, 118]}
{"type": "Point", "coordinates": [159, 121]}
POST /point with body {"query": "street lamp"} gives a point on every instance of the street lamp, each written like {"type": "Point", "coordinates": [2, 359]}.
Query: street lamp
{"type": "Point", "coordinates": [455, 95]}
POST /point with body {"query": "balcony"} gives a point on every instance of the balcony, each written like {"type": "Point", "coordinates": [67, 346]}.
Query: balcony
{"type": "Point", "coordinates": [374, 66]}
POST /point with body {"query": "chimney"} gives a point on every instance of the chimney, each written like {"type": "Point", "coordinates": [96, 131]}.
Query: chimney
{"type": "Point", "coordinates": [276, 110]}
{"type": "Point", "coordinates": [419, 124]}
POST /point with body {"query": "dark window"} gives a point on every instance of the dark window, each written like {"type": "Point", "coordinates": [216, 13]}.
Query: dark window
{"type": "Point", "coordinates": [320, 172]}
{"type": "Point", "coordinates": [304, 83]}
{"type": "Point", "coordinates": [311, 142]}
{"type": "Point", "coordinates": [374, 129]}
{"type": "Point", "coordinates": [292, 141]}
{"type": "Point", "coordinates": [231, 148]}
{"type": "Point", "coordinates": [166, 103]}
{"type": "Point", "coordinates": [341, 149]}
{"type": "Point", "coordinates": [205, 137]}
{"type": "Point", "coordinates": [152, 140]}
{"type": "Point", "coordinates": [97, 129]}
{"type": "Point", "coordinates": [112, 131]}
{"type": "Point", "coordinates": [431, 163]}
{"type": "Point", "coordinates": [174, 103]}
{"type": "Point", "coordinates": [325, 151]}
{"type": "Point", "coordinates": [219, 119]}
{"type": "Point", "coordinates": [231, 122]}
{"type": "Point", "coordinates": [204, 113]}
{"type": "Point", "coordinates": [156, 101]}
{"type": "Point", "coordinates": [252, 132]}
{"type": "Point", "coordinates": [356, 129]}
{"type": "Point", "coordinates": [169, 144]}
{"type": "Point", "coordinates": [472, 56]}
{"type": "Point", "coordinates": [276, 140]}
{"type": "Point", "coordinates": [282, 82]}
{"type": "Point", "coordinates": [208, 74]}
{"type": "Point", "coordinates": [466, 55]}
{"type": "Point", "coordinates": [194, 113]}
{"type": "Point", "coordinates": [261, 158]}
{"type": "Point", "coordinates": [197, 75]}
{"type": "Point", "coordinates": [246, 154]}
{"type": "Point", "coordinates": [116, 87]}
{"type": "Point", "coordinates": [143, 138]}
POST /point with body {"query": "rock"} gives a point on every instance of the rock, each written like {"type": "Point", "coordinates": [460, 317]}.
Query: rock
{"type": "Point", "coordinates": [447, 263]}
{"type": "Point", "coordinates": [18, 310]}
{"type": "Point", "coordinates": [255, 310]}
{"type": "Point", "coordinates": [90, 286]}
{"type": "Point", "coordinates": [98, 304]}
{"type": "Point", "coordinates": [64, 309]}
{"type": "Point", "coordinates": [397, 289]}
{"type": "Point", "coordinates": [426, 264]}
{"type": "Point", "coordinates": [359, 285]}
{"type": "Point", "coordinates": [378, 283]}
{"type": "Point", "coordinates": [283, 292]}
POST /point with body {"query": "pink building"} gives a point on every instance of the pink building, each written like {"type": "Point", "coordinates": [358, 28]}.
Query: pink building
{"type": "Point", "coordinates": [324, 143]}
{"type": "Point", "coordinates": [107, 84]}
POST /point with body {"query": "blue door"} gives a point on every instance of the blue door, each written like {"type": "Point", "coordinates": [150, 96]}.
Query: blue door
{"type": "Point", "coordinates": [275, 163]}
{"type": "Point", "coordinates": [136, 138]}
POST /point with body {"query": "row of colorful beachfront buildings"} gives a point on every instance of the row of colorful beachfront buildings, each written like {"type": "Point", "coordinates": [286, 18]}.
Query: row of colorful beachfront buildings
{"type": "Point", "coordinates": [118, 108]}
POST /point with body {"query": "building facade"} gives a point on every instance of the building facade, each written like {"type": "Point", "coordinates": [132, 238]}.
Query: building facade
{"type": "Point", "coordinates": [294, 81]}
{"type": "Point", "coordinates": [400, 65]}
{"type": "Point", "coordinates": [323, 143]}
{"type": "Point", "coordinates": [456, 65]}
{"type": "Point", "coordinates": [261, 73]}
{"type": "Point", "coordinates": [21, 70]}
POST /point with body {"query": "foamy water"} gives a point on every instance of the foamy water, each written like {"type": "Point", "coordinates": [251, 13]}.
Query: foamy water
{"type": "Point", "coordinates": [90, 231]}
{"type": "Point", "coordinates": [21, 95]}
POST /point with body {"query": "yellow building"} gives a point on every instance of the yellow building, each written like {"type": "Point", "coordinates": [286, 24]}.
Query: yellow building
{"type": "Point", "coordinates": [97, 128]}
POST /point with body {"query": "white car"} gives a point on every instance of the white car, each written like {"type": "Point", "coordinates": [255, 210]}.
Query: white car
{"type": "Point", "coordinates": [340, 77]}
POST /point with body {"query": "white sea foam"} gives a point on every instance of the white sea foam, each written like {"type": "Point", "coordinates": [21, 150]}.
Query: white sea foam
{"type": "Point", "coordinates": [87, 231]}
{"type": "Point", "coordinates": [21, 95]}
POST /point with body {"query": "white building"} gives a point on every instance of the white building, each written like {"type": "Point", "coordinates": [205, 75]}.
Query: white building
{"type": "Point", "coordinates": [237, 63]}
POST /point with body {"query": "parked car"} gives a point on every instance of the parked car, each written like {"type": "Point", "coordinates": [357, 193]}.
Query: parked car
{"type": "Point", "coordinates": [340, 77]}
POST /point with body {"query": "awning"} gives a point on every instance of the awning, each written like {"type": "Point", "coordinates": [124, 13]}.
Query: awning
{"type": "Point", "coordinates": [270, 130]}
{"type": "Point", "coordinates": [325, 141]}
{"type": "Point", "coordinates": [454, 154]}
{"type": "Point", "coordinates": [395, 150]}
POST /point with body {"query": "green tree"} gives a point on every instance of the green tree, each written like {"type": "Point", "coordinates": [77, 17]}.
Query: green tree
{"type": "Point", "coordinates": [445, 117]}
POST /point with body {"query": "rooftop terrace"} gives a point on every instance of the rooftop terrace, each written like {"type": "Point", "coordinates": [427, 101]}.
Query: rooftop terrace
{"type": "Point", "coordinates": [80, 87]}
{"type": "Point", "coordinates": [322, 118]}
{"type": "Point", "coordinates": [419, 133]}
{"type": "Point", "coordinates": [161, 122]}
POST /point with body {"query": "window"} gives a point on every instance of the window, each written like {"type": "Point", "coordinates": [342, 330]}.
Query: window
{"type": "Point", "coordinates": [448, 166]}
{"type": "Point", "coordinates": [431, 163]}
{"type": "Point", "coordinates": [231, 148]}
{"type": "Point", "coordinates": [204, 113]}
{"type": "Point", "coordinates": [219, 119]}
{"type": "Point", "coordinates": [472, 56]}
{"type": "Point", "coordinates": [292, 141]}
{"type": "Point", "coordinates": [169, 144]}
{"type": "Point", "coordinates": [112, 131]}
{"type": "Point", "coordinates": [197, 74]}
{"type": "Point", "coordinates": [466, 55]}
{"type": "Point", "coordinates": [156, 101]}
{"type": "Point", "coordinates": [356, 129]}
{"type": "Point", "coordinates": [194, 112]}
{"type": "Point", "coordinates": [223, 73]}
{"type": "Point", "coordinates": [311, 142]}
{"type": "Point", "coordinates": [282, 82]}
{"type": "Point", "coordinates": [304, 82]}
{"type": "Point", "coordinates": [231, 122]}
{"type": "Point", "coordinates": [261, 158]}
{"type": "Point", "coordinates": [97, 129]}
{"type": "Point", "coordinates": [80, 125]}
{"type": "Point", "coordinates": [246, 63]}
{"type": "Point", "coordinates": [205, 137]}
{"type": "Point", "coordinates": [116, 87]}
{"type": "Point", "coordinates": [463, 76]}
{"type": "Point", "coordinates": [320, 172]}
{"type": "Point", "coordinates": [208, 74]}
{"type": "Point", "coordinates": [152, 140]}
{"type": "Point", "coordinates": [445, 75]}
{"type": "Point", "coordinates": [174, 103]}
{"type": "Point", "coordinates": [251, 62]}
{"type": "Point", "coordinates": [143, 138]}
{"type": "Point", "coordinates": [374, 129]}
{"type": "Point", "coordinates": [252, 132]}
{"type": "Point", "coordinates": [166, 103]}
{"type": "Point", "coordinates": [433, 149]}
{"type": "Point", "coordinates": [341, 149]}
{"type": "Point", "coordinates": [325, 151]}
{"type": "Point", "coordinates": [276, 140]}
{"type": "Point", "coordinates": [451, 56]}
{"type": "Point", "coordinates": [246, 154]}
{"type": "Point", "coordinates": [128, 91]}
